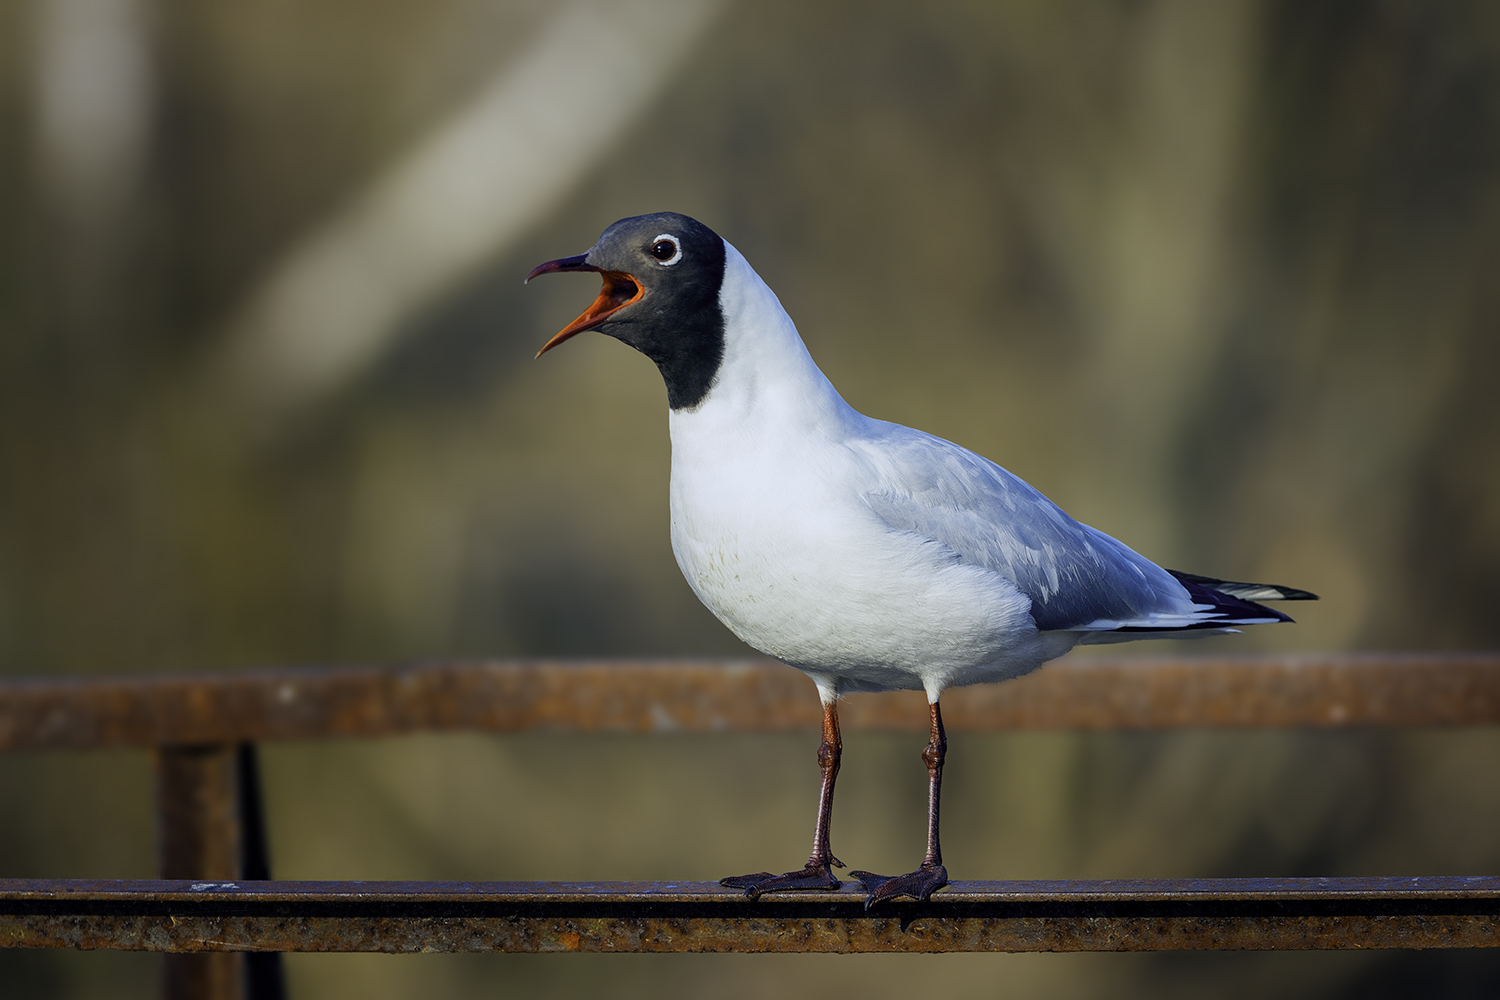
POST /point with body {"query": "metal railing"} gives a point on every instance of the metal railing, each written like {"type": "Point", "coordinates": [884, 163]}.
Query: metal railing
{"type": "Point", "coordinates": [216, 898]}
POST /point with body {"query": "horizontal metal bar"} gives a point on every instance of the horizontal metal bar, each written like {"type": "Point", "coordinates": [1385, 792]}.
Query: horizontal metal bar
{"type": "Point", "coordinates": [1427, 689]}
{"type": "Point", "coordinates": [1115, 915]}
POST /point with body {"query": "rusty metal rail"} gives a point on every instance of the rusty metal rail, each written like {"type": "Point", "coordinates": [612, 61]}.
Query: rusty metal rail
{"type": "Point", "coordinates": [216, 898]}
{"type": "Point", "coordinates": [1124, 915]}
{"type": "Point", "coordinates": [709, 696]}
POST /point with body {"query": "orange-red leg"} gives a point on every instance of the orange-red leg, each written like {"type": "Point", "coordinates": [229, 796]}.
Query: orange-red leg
{"type": "Point", "coordinates": [818, 874]}
{"type": "Point", "coordinates": [931, 876]}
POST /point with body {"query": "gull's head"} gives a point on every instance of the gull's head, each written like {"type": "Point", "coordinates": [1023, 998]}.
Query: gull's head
{"type": "Point", "coordinates": [662, 275]}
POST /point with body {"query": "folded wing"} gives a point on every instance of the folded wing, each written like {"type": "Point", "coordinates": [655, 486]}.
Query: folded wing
{"type": "Point", "coordinates": [1078, 578]}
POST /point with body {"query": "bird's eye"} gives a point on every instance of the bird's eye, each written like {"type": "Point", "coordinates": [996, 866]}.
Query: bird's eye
{"type": "Point", "coordinates": [666, 249]}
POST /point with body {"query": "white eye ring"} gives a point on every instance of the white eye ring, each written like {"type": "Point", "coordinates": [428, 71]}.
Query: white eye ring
{"type": "Point", "coordinates": [676, 246]}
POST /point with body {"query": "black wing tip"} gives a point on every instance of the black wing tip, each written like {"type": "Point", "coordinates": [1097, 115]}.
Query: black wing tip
{"type": "Point", "coordinates": [1261, 591]}
{"type": "Point", "coordinates": [1234, 603]}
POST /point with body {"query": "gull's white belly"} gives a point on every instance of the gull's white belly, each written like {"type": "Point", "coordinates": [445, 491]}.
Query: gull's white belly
{"type": "Point", "coordinates": [815, 578]}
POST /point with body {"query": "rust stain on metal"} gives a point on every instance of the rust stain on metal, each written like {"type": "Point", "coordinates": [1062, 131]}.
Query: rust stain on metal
{"type": "Point", "coordinates": [1142, 915]}
{"type": "Point", "coordinates": [748, 695]}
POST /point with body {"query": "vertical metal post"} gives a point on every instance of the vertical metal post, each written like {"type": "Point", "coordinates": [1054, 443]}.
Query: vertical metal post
{"type": "Point", "coordinates": [198, 837]}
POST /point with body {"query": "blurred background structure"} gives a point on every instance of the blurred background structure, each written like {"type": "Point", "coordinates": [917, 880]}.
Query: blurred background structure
{"type": "Point", "coordinates": [1218, 278]}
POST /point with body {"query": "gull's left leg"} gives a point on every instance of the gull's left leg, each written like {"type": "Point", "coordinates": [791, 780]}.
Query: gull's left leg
{"type": "Point", "coordinates": [932, 876]}
{"type": "Point", "coordinates": [818, 873]}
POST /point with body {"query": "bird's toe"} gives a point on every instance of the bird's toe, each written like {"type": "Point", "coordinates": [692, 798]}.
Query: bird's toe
{"type": "Point", "coordinates": [745, 881]}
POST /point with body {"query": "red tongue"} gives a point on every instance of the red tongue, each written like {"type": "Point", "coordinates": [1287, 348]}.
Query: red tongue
{"type": "Point", "coordinates": [620, 289]}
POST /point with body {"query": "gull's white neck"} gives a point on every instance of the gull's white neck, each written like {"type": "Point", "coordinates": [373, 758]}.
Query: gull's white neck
{"type": "Point", "coordinates": [767, 376]}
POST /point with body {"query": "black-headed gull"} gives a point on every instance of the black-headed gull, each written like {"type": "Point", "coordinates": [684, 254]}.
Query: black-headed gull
{"type": "Point", "coordinates": [870, 555]}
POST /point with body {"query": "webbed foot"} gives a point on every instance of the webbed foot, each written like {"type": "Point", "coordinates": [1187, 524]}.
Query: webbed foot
{"type": "Point", "coordinates": [813, 877]}
{"type": "Point", "coordinates": [919, 884]}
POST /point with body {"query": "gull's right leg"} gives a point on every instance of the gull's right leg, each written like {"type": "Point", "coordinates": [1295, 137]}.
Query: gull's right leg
{"type": "Point", "coordinates": [932, 876]}
{"type": "Point", "coordinates": [820, 864]}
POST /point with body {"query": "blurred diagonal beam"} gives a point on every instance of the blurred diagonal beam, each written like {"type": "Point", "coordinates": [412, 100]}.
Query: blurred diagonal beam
{"type": "Point", "coordinates": [1340, 690]}
{"type": "Point", "coordinates": [1044, 915]}
{"type": "Point", "coordinates": [95, 105]}
{"type": "Point", "coordinates": [496, 167]}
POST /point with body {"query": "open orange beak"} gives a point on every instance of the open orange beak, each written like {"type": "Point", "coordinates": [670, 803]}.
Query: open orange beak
{"type": "Point", "coordinates": [620, 289]}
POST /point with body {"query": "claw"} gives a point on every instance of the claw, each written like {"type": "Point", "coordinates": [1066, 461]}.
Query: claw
{"type": "Point", "coordinates": [919, 884]}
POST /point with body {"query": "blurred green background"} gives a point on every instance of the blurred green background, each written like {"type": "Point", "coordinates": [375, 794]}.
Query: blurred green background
{"type": "Point", "coordinates": [1219, 278]}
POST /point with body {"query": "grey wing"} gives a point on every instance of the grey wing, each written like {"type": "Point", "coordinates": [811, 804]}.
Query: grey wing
{"type": "Point", "coordinates": [1077, 577]}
